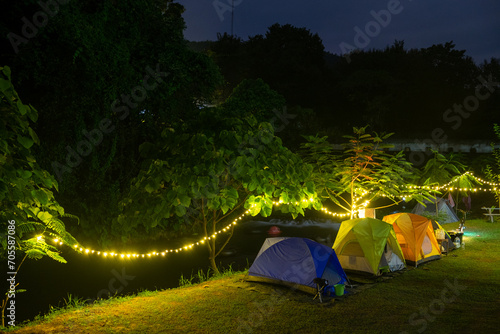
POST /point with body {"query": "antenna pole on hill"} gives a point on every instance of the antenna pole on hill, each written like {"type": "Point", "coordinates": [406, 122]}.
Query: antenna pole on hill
{"type": "Point", "coordinates": [232, 17]}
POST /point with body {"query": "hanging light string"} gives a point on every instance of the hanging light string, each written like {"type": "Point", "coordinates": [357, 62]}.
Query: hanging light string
{"type": "Point", "coordinates": [356, 209]}
{"type": "Point", "coordinates": [134, 255]}
{"type": "Point", "coordinates": [449, 185]}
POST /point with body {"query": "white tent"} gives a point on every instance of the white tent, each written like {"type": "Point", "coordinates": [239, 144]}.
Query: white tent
{"type": "Point", "coordinates": [444, 208]}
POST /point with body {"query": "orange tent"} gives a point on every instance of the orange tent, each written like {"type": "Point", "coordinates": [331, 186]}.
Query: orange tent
{"type": "Point", "coordinates": [415, 235]}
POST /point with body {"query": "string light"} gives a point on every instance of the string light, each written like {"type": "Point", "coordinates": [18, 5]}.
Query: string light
{"type": "Point", "coordinates": [125, 255]}
{"type": "Point", "coordinates": [356, 209]}
{"type": "Point", "coordinates": [448, 186]}
{"type": "Point", "coordinates": [335, 214]}
{"type": "Point", "coordinates": [89, 251]}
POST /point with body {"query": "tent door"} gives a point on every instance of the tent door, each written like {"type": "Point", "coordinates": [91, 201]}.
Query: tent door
{"type": "Point", "coordinates": [426, 245]}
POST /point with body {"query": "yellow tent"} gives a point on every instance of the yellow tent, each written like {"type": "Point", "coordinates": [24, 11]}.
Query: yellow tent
{"type": "Point", "coordinates": [368, 245]}
{"type": "Point", "coordinates": [415, 236]}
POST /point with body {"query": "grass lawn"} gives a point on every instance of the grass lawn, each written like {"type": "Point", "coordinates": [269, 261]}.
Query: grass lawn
{"type": "Point", "coordinates": [459, 293]}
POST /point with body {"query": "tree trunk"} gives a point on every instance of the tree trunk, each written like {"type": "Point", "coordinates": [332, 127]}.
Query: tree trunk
{"type": "Point", "coordinates": [212, 257]}
{"type": "Point", "coordinates": [213, 251]}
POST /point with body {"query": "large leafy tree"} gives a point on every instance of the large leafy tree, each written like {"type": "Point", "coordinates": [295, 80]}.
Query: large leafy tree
{"type": "Point", "coordinates": [492, 171]}
{"type": "Point", "coordinates": [290, 59]}
{"type": "Point", "coordinates": [198, 178]}
{"type": "Point", "coordinates": [254, 97]}
{"type": "Point", "coordinates": [377, 85]}
{"type": "Point", "coordinates": [121, 62]}
{"type": "Point", "coordinates": [29, 212]}
{"type": "Point", "coordinates": [440, 170]}
{"type": "Point", "coordinates": [361, 172]}
{"type": "Point", "coordinates": [26, 194]}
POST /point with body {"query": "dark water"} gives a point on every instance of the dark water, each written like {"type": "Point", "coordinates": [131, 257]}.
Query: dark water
{"type": "Point", "coordinates": [91, 277]}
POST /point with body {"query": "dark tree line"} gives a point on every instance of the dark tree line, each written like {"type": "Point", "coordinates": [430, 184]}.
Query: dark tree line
{"type": "Point", "coordinates": [107, 76]}
{"type": "Point", "coordinates": [406, 91]}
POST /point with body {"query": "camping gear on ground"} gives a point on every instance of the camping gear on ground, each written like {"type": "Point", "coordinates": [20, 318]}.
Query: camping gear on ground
{"type": "Point", "coordinates": [368, 245]}
{"type": "Point", "coordinates": [321, 284]}
{"type": "Point", "coordinates": [416, 237]}
{"type": "Point", "coordinates": [444, 209]}
{"type": "Point", "coordinates": [339, 289]}
{"type": "Point", "coordinates": [442, 237]}
{"type": "Point", "coordinates": [297, 263]}
{"type": "Point", "coordinates": [456, 238]}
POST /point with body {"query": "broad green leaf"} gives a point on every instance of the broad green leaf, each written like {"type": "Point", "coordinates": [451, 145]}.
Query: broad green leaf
{"type": "Point", "coordinates": [44, 216]}
{"type": "Point", "coordinates": [159, 207]}
{"type": "Point", "coordinates": [25, 141]}
{"type": "Point", "coordinates": [23, 109]}
{"type": "Point", "coordinates": [34, 136]}
{"type": "Point", "coordinates": [41, 196]}
{"type": "Point", "coordinates": [185, 200]}
{"type": "Point", "coordinates": [180, 211]}
{"type": "Point", "coordinates": [32, 114]}
{"type": "Point", "coordinates": [149, 187]}
{"type": "Point", "coordinates": [203, 181]}
{"type": "Point", "coordinates": [266, 210]}
{"type": "Point", "coordinates": [25, 174]}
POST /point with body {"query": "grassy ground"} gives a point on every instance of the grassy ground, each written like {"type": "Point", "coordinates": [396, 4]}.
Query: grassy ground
{"type": "Point", "coordinates": [457, 294]}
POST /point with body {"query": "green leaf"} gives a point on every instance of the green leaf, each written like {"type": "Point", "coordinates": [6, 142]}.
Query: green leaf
{"type": "Point", "coordinates": [34, 136]}
{"type": "Point", "coordinates": [150, 187]}
{"type": "Point", "coordinates": [253, 185]}
{"type": "Point", "coordinates": [159, 207]}
{"type": "Point", "coordinates": [203, 181]}
{"type": "Point", "coordinates": [25, 174]}
{"type": "Point", "coordinates": [34, 254]}
{"type": "Point", "coordinates": [44, 216]}
{"type": "Point", "coordinates": [41, 196]}
{"type": "Point", "coordinates": [32, 114]}
{"type": "Point", "coordinates": [185, 200]}
{"type": "Point", "coordinates": [225, 208]}
{"type": "Point", "coordinates": [266, 210]}
{"type": "Point", "coordinates": [23, 109]}
{"type": "Point", "coordinates": [180, 211]}
{"type": "Point", "coordinates": [25, 141]}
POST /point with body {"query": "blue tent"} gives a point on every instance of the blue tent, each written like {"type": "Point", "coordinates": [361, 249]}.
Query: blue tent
{"type": "Point", "coordinates": [296, 262]}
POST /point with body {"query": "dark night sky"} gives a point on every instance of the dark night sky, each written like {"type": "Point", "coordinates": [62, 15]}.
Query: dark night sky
{"type": "Point", "coordinates": [473, 25]}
